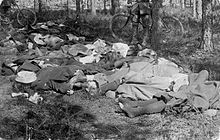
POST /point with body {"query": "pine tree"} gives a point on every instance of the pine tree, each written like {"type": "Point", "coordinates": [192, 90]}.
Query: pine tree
{"type": "Point", "coordinates": [207, 43]}
{"type": "Point", "coordinates": [157, 4]}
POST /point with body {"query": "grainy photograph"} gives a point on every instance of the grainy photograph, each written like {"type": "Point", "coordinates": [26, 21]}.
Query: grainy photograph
{"type": "Point", "coordinates": [109, 69]}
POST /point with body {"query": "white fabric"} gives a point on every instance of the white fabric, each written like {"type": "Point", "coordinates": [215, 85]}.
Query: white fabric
{"type": "Point", "coordinates": [26, 77]}
{"type": "Point", "coordinates": [121, 48]}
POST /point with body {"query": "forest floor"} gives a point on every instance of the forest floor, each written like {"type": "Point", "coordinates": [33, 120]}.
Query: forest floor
{"type": "Point", "coordinates": [83, 116]}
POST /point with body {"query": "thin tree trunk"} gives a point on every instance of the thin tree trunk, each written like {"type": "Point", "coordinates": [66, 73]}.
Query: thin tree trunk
{"type": "Point", "coordinates": [34, 4]}
{"type": "Point", "coordinates": [113, 6]}
{"type": "Point", "coordinates": [39, 6]}
{"type": "Point", "coordinates": [88, 3]}
{"type": "Point", "coordinates": [183, 4]}
{"type": "Point", "coordinates": [105, 9]}
{"type": "Point", "coordinates": [78, 6]}
{"type": "Point", "coordinates": [67, 8]}
{"type": "Point", "coordinates": [194, 9]}
{"type": "Point", "coordinates": [93, 4]}
{"type": "Point", "coordinates": [155, 36]}
{"type": "Point", "coordinates": [207, 43]}
{"type": "Point", "coordinates": [199, 9]}
{"type": "Point", "coordinates": [118, 4]}
{"type": "Point", "coordinates": [83, 5]}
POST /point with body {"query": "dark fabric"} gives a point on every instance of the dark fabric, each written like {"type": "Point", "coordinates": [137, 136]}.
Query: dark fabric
{"type": "Point", "coordinates": [22, 59]}
{"type": "Point", "coordinates": [60, 87]}
{"type": "Point", "coordinates": [92, 69]}
{"type": "Point", "coordinates": [109, 86]}
{"type": "Point", "coordinates": [87, 68]}
{"type": "Point", "coordinates": [29, 66]}
{"type": "Point", "coordinates": [6, 70]}
{"type": "Point", "coordinates": [54, 78]}
{"type": "Point", "coordinates": [24, 88]}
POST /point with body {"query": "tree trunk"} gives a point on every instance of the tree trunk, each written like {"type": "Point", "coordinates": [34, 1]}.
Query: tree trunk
{"type": "Point", "coordinates": [183, 4]}
{"type": "Point", "coordinates": [88, 4]}
{"type": "Point", "coordinates": [113, 7]}
{"type": "Point", "coordinates": [34, 4]}
{"type": "Point", "coordinates": [199, 9]}
{"type": "Point", "coordinates": [118, 4]}
{"type": "Point", "coordinates": [93, 4]}
{"type": "Point", "coordinates": [207, 43]}
{"type": "Point", "coordinates": [67, 9]}
{"type": "Point", "coordinates": [83, 5]}
{"type": "Point", "coordinates": [40, 6]}
{"type": "Point", "coordinates": [155, 35]}
{"type": "Point", "coordinates": [105, 9]}
{"type": "Point", "coordinates": [78, 6]}
{"type": "Point", "coordinates": [194, 9]}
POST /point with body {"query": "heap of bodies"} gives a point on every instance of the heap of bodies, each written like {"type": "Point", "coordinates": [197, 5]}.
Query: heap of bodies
{"type": "Point", "coordinates": [141, 85]}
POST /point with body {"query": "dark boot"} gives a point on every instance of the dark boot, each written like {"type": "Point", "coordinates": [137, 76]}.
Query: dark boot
{"type": "Point", "coordinates": [155, 107]}
{"type": "Point", "coordinates": [130, 103]}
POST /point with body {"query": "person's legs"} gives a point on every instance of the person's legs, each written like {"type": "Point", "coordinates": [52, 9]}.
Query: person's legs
{"type": "Point", "coordinates": [146, 30]}
{"type": "Point", "coordinates": [134, 34]}
{"type": "Point", "coordinates": [135, 24]}
{"type": "Point", "coordinates": [109, 86]}
{"type": "Point", "coordinates": [154, 107]}
{"type": "Point", "coordinates": [128, 102]}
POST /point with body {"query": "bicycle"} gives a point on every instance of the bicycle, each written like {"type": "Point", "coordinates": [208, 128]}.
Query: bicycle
{"type": "Point", "coordinates": [23, 17]}
{"type": "Point", "coordinates": [121, 25]}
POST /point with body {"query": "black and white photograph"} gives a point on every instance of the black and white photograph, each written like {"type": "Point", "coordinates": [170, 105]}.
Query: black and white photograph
{"type": "Point", "coordinates": [109, 69]}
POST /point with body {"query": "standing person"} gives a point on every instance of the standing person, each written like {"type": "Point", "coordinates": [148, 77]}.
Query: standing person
{"type": "Point", "coordinates": [142, 10]}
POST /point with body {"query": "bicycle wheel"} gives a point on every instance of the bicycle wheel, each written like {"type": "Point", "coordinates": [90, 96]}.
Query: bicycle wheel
{"type": "Point", "coordinates": [121, 27]}
{"type": "Point", "coordinates": [172, 28]}
{"type": "Point", "coordinates": [26, 16]}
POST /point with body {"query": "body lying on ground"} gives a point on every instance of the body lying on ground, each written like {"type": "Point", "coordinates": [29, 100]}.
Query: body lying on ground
{"type": "Point", "coordinates": [145, 86]}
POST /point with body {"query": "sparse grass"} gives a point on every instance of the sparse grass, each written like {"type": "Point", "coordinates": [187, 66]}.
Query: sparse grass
{"type": "Point", "coordinates": [82, 116]}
